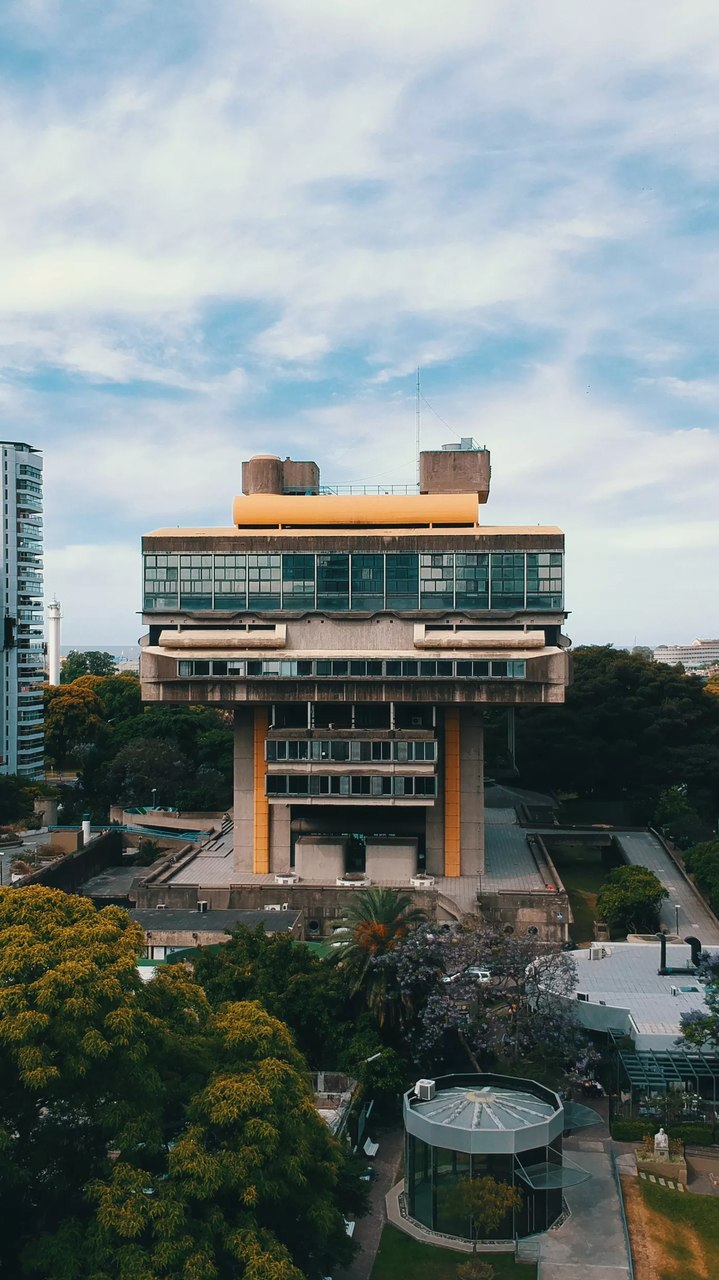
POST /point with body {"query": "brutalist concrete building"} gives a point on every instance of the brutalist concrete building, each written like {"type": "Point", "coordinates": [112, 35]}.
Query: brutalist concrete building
{"type": "Point", "coordinates": [356, 637]}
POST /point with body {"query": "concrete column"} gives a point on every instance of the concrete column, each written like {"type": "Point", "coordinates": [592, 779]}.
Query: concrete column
{"type": "Point", "coordinates": [472, 791]}
{"type": "Point", "coordinates": [452, 792]}
{"type": "Point", "coordinates": [244, 790]}
{"type": "Point", "coordinates": [434, 817]}
{"type": "Point", "coordinates": [280, 839]}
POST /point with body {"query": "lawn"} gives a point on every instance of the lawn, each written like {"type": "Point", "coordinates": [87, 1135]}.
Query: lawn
{"type": "Point", "coordinates": [400, 1256]}
{"type": "Point", "coordinates": [674, 1236]}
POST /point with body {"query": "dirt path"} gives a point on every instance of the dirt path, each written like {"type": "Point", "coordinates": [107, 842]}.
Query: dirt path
{"type": "Point", "coordinates": [650, 1236]}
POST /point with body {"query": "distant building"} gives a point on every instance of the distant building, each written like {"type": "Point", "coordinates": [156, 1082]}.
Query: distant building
{"type": "Point", "coordinates": [699, 656]}
{"type": "Point", "coordinates": [22, 655]}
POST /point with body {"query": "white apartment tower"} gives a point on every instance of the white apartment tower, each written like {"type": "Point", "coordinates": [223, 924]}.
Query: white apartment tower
{"type": "Point", "coordinates": [22, 668]}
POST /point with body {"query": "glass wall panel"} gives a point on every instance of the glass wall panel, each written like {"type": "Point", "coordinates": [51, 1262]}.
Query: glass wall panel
{"type": "Point", "coordinates": [402, 580]}
{"type": "Point", "coordinates": [452, 1166]}
{"type": "Point", "coordinates": [544, 580]}
{"type": "Point", "coordinates": [421, 1198]}
{"type": "Point", "coordinates": [471, 572]}
{"type": "Point", "coordinates": [161, 582]}
{"type": "Point", "coordinates": [196, 582]}
{"type": "Point", "coordinates": [333, 586]}
{"type": "Point", "coordinates": [398, 580]}
{"type": "Point", "coordinates": [298, 582]}
{"type": "Point", "coordinates": [507, 581]}
{"type": "Point", "coordinates": [230, 582]}
{"type": "Point", "coordinates": [264, 579]}
{"type": "Point", "coordinates": [367, 582]}
{"type": "Point", "coordinates": [436, 580]}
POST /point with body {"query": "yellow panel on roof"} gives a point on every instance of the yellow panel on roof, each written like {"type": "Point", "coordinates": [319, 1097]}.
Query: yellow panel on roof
{"type": "Point", "coordinates": [269, 510]}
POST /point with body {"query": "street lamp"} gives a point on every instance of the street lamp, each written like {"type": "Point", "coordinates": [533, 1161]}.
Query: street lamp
{"type": "Point", "coordinates": [154, 797]}
{"type": "Point", "coordinates": [676, 917]}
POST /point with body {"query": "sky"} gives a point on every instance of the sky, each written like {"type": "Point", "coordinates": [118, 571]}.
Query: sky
{"type": "Point", "coordinates": [236, 227]}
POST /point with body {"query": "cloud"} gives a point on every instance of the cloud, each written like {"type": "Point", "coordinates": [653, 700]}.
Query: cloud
{"type": "Point", "coordinates": [243, 230]}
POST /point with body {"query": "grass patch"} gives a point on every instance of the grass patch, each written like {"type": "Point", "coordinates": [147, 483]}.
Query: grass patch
{"type": "Point", "coordinates": [400, 1256]}
{"type": "Point", "coordinates": [673, 1236]}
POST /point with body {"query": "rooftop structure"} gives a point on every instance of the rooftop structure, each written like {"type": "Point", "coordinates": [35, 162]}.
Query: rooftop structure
{"type": "Point", "coordinates": [167, 931]}
{"type": "Point", "coordinates": [22, 657]}
{"type": "Point", "coordinates": [700, 655]}
{"type": "Point", "coordinates": [620, 989]}
{"type": "Point", "coordinates": [356, 638]}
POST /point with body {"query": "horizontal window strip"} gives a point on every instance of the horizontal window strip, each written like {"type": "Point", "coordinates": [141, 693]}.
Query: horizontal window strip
{"type": "Point", "coordinates": [356, 668]}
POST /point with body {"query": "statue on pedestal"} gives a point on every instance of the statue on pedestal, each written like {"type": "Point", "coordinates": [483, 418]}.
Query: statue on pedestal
{"type": "Point", "coordinates": [661, 1145]}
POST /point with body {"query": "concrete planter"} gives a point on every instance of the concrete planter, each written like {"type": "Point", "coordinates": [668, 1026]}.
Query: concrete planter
{"type": "Point", "coordinates": [674, 1169]}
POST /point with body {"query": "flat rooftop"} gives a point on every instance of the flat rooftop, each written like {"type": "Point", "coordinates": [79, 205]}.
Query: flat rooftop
{"type": "Point", "coordinates": [163, 920]}
{"type": "Point", "coordinates": [626, 978]}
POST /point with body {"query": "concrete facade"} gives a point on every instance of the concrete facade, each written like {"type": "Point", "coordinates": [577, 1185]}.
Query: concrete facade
{"type": "Point", "coordinates": [356, 639]}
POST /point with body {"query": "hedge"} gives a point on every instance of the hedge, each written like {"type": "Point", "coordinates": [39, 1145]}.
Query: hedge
{"type": "Point", "coordinates": [697, 1135]}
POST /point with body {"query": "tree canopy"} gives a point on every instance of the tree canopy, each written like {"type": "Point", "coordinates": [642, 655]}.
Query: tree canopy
{"type": "Point", "coordinates": [145, 1135]}
{"type": "Point", "coordinates": [124, 752]}
{"type": "Point", "coordinates": [629, 900]}
{"type": "Point", "coordinates": [86, 662]}
{"type": "Point", "coordinates": [376, 920]}
{"type": "Point", "coordinates": [629, 728]}
{"type": "Point", "coordinates": [451, 1016]}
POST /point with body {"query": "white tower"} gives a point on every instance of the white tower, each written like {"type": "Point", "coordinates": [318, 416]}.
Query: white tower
{"type": "Point", "coordinates": [53, 641]}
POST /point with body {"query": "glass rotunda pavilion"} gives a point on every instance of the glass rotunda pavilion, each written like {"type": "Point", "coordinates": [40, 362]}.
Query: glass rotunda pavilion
{"type": "Point", "coordinates": [463, 1126]}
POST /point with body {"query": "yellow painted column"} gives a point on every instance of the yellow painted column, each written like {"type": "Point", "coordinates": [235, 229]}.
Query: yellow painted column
{"type": "Point", "coordinates": [261, 851]}
{"type": "Point", "coordinates": [452, 777]}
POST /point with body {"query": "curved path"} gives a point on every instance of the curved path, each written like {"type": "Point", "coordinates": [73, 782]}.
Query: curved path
{"type": "Point", "coordinates": [643, 849]}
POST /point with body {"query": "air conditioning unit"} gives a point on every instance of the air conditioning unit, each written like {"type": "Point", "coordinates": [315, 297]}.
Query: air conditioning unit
{"type": "Point", "coordinates": [273, 906]}
{"type": "Point", "coordinates": [285, 906]}
{"type": "Point", "coordinates": [161, 906]}
{"type": "Point", "coordinates": [416, 722]}
{"type": "Point", "coordinates": [203, 906]}
{"type": "Point", "coordinates": [425, 1090]}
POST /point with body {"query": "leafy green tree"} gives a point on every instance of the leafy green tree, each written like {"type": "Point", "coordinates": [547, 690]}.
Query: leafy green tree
{"type": "Point", "coordinates": [630, 899]}
{"type": "Point", "coordinates": [119, 695]}
{"type": "Point", "coordinates": [677, 817]}
{"type": "Point", "coordinates": [292, 983]}
{"type": "Point", "coordinates": [74, 722]}
{"type": "Point", "coordinates": [376, 920]}
{"type": "Point", "coordinates": [16, 798]}
{"type": "Point", "coordinates": [702, 862]}
{"type": "Point", "coordinates": [90, 662]}
{"type": "Point", "coordinates": [142, 1135]}
{"type": "Point", "coordinates": [487, 1202]}
{"type": "Point", "coordinates": [629, 729]}
{"type": "Point", "coordinates": [143, 767]}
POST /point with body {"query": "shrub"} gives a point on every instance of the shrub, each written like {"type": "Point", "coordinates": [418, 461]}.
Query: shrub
{"type": "Point", "coordinates": [636, 1130]}
{"type": "Point", "coordinates": [631, 1130]}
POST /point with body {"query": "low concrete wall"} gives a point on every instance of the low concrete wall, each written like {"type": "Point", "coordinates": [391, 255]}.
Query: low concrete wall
{"type": "Point", "coordinates": [525, 911]}
{"type": "Point", "coordinates": [71, 872]}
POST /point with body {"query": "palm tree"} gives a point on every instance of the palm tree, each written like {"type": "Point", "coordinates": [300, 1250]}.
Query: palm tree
{"type": "Point", "coordinates": [376, 919]}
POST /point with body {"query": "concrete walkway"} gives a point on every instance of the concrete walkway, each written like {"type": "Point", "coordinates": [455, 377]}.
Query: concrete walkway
{"type": "Point", "coordinates": [590, 1245]}
{"type": "Point", "coordinates": [369, 1229]}
{"type": "Point", "coordinates": [643, 849]}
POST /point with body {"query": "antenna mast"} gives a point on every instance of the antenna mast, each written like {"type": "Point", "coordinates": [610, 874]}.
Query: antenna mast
{"type": "Point", "coordinates": [418, 421]}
